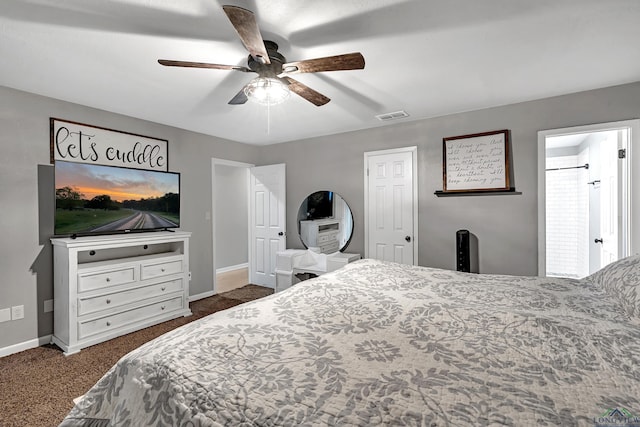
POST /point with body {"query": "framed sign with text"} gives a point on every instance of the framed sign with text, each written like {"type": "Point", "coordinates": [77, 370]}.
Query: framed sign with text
{"type": "Point", "coordinates": [81, 143]}
{"type": "Point", "coordinates": [477, 162]}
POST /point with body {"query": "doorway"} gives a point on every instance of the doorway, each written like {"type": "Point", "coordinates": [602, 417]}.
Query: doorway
{"type": "Point", "coordinates": [248, 223]}
{"type": "Point", "coordinates": [584, 198]}
{"type": "Point", "coordinates": [230, 207]}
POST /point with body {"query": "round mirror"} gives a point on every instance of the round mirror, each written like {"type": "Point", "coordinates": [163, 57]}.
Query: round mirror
{"type": "Point", "coordinates": [325, 222]}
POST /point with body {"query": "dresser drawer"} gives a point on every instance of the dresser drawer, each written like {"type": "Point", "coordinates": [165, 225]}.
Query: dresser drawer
{"type": "Point", "coordinates": [323, 238]}
{"type": "Point", "coordinates": [163, 268]}
{"type": "Point", "coordinates": [101, 279]}
{"type": "Point", "coordinates": [108, 323]}
{"type": "Point", "coordinates": [116, 299]}
{"type": "Point", "coordinates": [328, 237]}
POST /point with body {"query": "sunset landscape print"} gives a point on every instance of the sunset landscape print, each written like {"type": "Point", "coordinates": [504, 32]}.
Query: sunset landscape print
{"type": "Point", "coordinates": [119, 183]}
{"type": "Point", "coordinates": [94, 198]}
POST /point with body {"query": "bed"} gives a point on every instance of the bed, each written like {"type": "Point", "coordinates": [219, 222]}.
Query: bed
{"type": "Point", "coordinates": [378, 343]}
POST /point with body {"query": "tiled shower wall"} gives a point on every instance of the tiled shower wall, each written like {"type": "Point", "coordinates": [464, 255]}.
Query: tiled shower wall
{"type": "Point", "coordinates": [567, 224]}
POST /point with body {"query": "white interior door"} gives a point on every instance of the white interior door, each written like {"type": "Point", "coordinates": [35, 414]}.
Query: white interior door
{"type": "Point", "coordinates": [390, 205]}
{"type": "Point", "coordinates": [593, 214]}
{"type": "Point", "coordinates": [609, 200]}
{"type": "Point", "coordinates": [267, 219]}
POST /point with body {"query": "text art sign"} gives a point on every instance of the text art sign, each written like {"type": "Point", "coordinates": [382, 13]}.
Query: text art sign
{"type": "Point", "coordinates": [77, 142]}
{"type": "Point", "coordinates": [476, 162]}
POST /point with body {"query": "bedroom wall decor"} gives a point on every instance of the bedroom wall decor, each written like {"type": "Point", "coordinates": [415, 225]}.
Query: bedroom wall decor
{"type": "Point", "coordinates": [81, 143]}
{"type": "Point", "coordinates": [476, 162]}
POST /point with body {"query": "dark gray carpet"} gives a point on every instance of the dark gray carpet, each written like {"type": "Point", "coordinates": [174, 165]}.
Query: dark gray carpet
{"type": "Point", "coordinates": [37, 386]}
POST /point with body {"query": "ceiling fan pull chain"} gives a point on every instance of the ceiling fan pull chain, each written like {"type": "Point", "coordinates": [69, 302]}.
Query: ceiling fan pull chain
{"type": "Point", "coordinates": [268, 119]}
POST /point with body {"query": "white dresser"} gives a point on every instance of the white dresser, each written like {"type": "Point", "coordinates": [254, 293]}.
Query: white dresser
{"type": "Point", "coordinates": [321, 233]}
{"type": "Point", "coordinates": [107, 286]}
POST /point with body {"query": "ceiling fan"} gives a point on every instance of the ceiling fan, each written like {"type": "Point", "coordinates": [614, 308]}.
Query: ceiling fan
{"type": "Point", "coordinates": [271, 66]}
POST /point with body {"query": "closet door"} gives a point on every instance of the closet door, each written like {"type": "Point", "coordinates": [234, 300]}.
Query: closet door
{"type": "Point", "coordinates": [391, 205]}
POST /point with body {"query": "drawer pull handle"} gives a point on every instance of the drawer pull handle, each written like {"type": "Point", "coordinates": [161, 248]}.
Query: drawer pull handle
{"type": "Point", "coordinates": [108, 301]}
{"type": "Point", "coordinates": [162, 308]}
{"type": "Point", "coordinates": [162, 269]}
{"type": "Point", "coordinates": [163, 288]}
{"type": "Point", "coordinates": [108, 280]}
{"type": "Point", "coordinates": [108, 323]}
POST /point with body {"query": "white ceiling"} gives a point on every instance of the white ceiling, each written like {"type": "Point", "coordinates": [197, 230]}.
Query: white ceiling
{"type": "Point", "coordinates": [427, 57]}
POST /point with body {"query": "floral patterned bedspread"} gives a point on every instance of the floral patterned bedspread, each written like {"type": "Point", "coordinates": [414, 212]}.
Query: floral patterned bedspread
{"type": "Point", "coordinates": [378, 343]}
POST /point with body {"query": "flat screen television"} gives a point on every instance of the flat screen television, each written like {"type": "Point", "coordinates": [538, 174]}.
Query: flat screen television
{"type": "Point", "coordinates": [98, 199]}
{"type": "Point", "coordinates": [320, 205]}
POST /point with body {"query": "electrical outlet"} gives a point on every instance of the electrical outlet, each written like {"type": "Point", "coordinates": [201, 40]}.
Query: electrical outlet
{"type": "Point", "coordinates": [5, 315]}
{"type": "Point", "coordinates": [17, 312]}
{"type": "Point", "coordinates": [48, 306]}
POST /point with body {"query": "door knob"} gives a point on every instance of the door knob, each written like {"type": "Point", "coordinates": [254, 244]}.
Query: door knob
{"type": "Point", "coordinates": [407, 238]}
{"type": "Point", "coordinates": [281, 234]}
{"type": "Point", "coordinates": [598, 240]}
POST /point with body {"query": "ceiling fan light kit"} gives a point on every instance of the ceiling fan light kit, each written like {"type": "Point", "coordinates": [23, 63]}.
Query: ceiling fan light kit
{"type": "Point", "coordinates": [266, 91]}
{"type": "Point", "coordinates": [273, 84]}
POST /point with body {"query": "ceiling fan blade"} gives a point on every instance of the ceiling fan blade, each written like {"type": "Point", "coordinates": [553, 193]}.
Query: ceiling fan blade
{"type": "Point", "coordinates": [306, 92]}
{"type": "Point", "coordinates": [240, 98]}
{"type": "Point", "coordinates": [244, 21]}
{"type": "Point", "coordinates": [348, 61]}
{"type": "Point", "coordinates": [170, 63]}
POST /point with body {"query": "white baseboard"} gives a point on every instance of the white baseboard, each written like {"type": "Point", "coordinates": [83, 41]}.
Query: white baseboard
{"type": "Point", "coordinates": [232, 268]}
{"type": "Point", "coordinates": [207, 294]}
{"type": "Point", "coordinates": [26, 345]}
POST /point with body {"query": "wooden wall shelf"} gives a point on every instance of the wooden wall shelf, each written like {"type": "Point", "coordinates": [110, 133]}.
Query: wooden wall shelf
{"type": "Point", "coordinates": [440, 193]}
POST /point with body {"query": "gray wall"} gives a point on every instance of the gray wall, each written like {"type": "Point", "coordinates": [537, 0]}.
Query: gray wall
{"type": "Point", "coordinates": [27, 199]}
{"type": "Point", "coordinates": [231, 215]}
{"type": "Point", "coordinates": [505, 225]}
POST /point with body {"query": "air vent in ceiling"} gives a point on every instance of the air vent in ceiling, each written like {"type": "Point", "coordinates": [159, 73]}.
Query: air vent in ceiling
{"type": "Point", "coordinates": [392, 116]}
